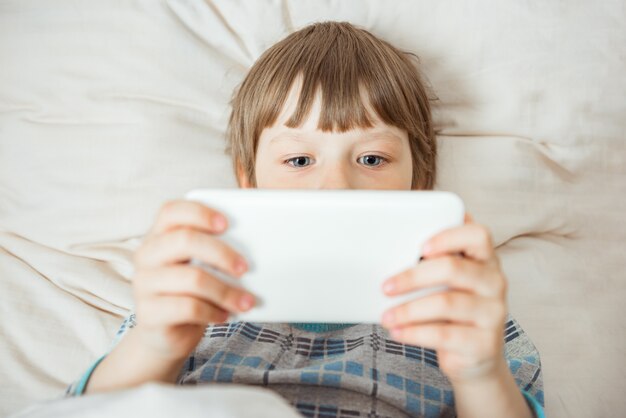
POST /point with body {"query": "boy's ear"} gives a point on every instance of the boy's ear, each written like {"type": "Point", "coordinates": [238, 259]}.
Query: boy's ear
{"type": "Point", "coordinates": [242, 179]}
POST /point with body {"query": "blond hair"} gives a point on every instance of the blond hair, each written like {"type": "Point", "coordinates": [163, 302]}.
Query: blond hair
{"type": "Point", "coordinates": [341, 60]}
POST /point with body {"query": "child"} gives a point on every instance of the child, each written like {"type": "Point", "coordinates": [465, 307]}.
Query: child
{"type": "Point", "coordinates": [329, 107]}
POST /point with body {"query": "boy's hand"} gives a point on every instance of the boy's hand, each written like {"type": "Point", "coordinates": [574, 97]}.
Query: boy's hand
{"type": "Point", "coordinates": [174, 300]}
{"type": "Point", "coordinates": [465, 324]}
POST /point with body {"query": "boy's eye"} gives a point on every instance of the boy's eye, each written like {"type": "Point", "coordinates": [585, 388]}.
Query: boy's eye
{"type": "Point", "coordinates": [372, 158]}
{"type": "Point", "coordinates": [297, 159]}
{"type": "Point", "coordinates": [369, 160]}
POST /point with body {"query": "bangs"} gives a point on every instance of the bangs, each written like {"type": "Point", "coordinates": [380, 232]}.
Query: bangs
{"type": "Point", "coordinates": [350, 68]}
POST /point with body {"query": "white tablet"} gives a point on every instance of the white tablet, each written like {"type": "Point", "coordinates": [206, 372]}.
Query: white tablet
{"type": "Point", "coordinates": [322, 255]}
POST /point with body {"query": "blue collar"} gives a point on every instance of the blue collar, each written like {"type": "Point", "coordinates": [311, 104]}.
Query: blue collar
{"type": "Point", "coordinates": [318, 327]}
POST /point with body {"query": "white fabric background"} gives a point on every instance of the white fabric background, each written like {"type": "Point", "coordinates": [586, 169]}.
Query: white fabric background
{"type": "Point", "coordinates": [108, 109]}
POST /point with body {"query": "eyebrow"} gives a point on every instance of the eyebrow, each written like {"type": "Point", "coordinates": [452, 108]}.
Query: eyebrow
{"type": "Point", "coordinates": [378, 136]}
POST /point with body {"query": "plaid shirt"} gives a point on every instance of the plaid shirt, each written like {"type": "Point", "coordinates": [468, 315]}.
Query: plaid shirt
{"type": "Point", "coordinates": [357, 371]}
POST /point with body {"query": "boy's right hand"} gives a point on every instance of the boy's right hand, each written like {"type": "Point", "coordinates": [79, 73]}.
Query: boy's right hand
{"type": "Point", "coordinates": [174, 300]}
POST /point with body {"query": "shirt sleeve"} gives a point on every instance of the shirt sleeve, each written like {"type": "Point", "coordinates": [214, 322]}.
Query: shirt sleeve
{"type": "Point", "coordinates": [77, 388]}
{"type": "Point", "coordinates": [534, 405]}
{"type": "Point", "coordinates": [525, 364]}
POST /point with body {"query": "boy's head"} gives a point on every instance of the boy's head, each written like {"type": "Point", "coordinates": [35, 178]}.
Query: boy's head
{"type": "Point", "coordinates": [332, 106]}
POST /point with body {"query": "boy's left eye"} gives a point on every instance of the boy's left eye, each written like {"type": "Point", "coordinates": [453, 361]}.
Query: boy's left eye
{"type": "Point", "coordinates": [369, 159]}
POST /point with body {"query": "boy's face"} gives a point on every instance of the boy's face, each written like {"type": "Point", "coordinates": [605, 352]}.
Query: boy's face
{"type": "Point", "coordinates": [307, 158]}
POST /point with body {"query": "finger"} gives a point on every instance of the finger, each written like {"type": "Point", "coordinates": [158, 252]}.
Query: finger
{"type": "Point", "coordinates": [193, 281]}
{"type": "Point", "coordinates": [458, 307]}
{"type": "Point", "coordinates": [182, 244]}
{"type": "Point", "coordinates": [454, 272]}
{"type": "Point", "coordinates": [474, 240]}
{"type": "Point", "coordinates": [468, 219]}
{"type": "Point", "coordinates": [462, 339]}
{"type": "Point", "coordinates": [175, 310]}
{"type": "Point", "coordinates": [176, 213]}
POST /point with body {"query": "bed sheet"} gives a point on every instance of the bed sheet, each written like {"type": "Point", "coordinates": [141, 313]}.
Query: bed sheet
{"type": "Point", "coordinates": [158, 400]}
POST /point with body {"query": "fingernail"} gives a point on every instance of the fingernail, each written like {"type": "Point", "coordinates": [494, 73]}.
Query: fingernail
{"type": "Point", "coordinates": [219, 222]}
{"type": "Point", "coordinates": [389, 287]}
{"type": "Point", "coordinates": [395, 332]}
{"type": "Point", "coordinates": [246, 302]}
{"type": "Point", "coordinates": [240, 265]}
{"type": "Point", "coordinates": [224, 318]}
{"type": "Point", "coordinates": [388, 317]}
{"type": "Point", "coordinates": [426, 248]}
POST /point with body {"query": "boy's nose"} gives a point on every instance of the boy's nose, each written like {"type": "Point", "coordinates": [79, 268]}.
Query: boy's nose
{"type": "Point", "coordinates": [336, 178]}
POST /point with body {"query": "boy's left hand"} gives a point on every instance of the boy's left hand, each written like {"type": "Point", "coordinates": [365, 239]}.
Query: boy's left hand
{"type": "Point", "coordinates": [464, 324]}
